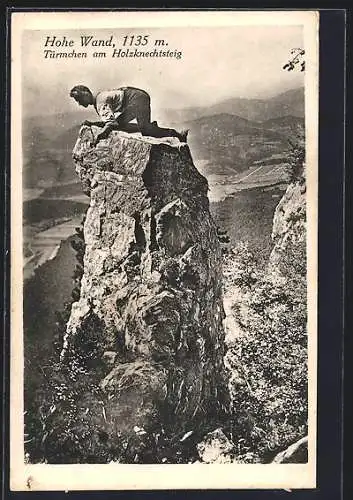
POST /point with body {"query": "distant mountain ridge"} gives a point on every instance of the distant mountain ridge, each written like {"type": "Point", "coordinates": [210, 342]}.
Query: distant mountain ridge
{"type": "Point", "coordinates": [287, 103]}
{"type": "Point", "coordinates": [224, 119]}
{"type": "Point", "coordinates": [290, 102]}
{"type": "Point", "coordinates": [228, 135]}
{"type": "Point", "coordinates": [283, 121]}
{"type": "Point", "coordinates": [231, 144]}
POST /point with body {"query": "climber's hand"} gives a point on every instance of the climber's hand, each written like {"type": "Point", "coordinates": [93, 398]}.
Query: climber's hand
{"type": "Point", "coordinates": [96, 124]}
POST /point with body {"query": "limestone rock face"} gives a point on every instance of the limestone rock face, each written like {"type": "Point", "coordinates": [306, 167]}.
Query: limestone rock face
{"type": "Point", "coordinates": [289, 222]}
{"type": "Point", "coordinates": [152, 275]}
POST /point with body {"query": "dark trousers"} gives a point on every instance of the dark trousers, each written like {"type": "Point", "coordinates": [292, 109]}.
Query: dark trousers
{"type": "Point", "coordinates": [137, 105]}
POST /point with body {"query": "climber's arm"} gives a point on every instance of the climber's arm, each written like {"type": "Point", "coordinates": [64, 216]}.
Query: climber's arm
{"type": "Point", "coordinates": [110, 121]}
{"type": "Point", "coordinates": [107, 128]}
{"type": "Point", "coordinates": [97, 124]}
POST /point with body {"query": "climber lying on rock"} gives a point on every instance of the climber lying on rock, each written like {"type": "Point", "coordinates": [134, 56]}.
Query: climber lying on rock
{"type": "Point", "coordinates": [118, 107]}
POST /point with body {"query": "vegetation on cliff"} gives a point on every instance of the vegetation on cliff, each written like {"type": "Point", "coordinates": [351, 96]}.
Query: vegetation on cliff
{"type": "Point", "coordinates": [268, 361]}
{"type": "Point", "coordinates": [268, 358]}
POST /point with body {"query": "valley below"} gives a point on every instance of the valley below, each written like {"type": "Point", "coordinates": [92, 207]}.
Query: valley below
{"type": "Point", "coordinates": [235, 201]}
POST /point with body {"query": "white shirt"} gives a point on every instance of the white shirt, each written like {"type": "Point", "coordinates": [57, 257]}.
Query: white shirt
{"type": "Point", "coordinates": [109, 104]}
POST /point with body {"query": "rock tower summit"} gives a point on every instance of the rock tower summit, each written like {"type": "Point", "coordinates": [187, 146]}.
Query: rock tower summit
{"type": "Point", "coordinates": [152, 274]}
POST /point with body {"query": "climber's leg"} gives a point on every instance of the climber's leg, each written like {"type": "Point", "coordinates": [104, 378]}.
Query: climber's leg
{"type": "Point", "coordinates": [137, 104]}
{"type": "Point", "coordinates": [143, 117]}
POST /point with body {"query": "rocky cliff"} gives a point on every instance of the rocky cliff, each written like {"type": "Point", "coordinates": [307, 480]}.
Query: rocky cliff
{"type": "Point", "coordinates": [289, 221]}
{"type": "Point", "coordinates": [152, 280]}
{"type": "Point", "coordinates": [267, 340]}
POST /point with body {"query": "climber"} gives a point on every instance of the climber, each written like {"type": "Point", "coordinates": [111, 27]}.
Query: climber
{"type": "Point", "coordinates": [120, 106]}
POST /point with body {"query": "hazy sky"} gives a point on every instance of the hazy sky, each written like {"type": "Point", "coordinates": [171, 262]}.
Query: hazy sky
{"type": "Point", "coordinates": [217, 63]}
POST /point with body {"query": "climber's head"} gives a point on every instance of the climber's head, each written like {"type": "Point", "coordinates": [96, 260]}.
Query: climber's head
{"type": "Point", "coordinates": [82, 95]}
